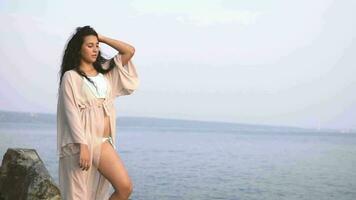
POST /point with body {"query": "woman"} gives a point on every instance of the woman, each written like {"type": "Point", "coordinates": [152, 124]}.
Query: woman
{"type": "Point", "coordinates": [86, 118]}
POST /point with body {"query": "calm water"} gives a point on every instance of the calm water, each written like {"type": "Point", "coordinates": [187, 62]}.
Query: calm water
{"type": "Point", "coordinates": [189, 164]}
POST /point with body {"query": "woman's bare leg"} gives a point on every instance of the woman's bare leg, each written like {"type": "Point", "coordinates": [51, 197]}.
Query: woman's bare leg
{"type": "Point", "coordinates": [113, 169]}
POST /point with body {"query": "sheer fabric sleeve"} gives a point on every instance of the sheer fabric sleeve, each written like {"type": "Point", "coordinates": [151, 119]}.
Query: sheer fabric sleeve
{"type": "Point", "coordinates": [70, 111]}
{"type": "Point", "coordinates": [124, 80]}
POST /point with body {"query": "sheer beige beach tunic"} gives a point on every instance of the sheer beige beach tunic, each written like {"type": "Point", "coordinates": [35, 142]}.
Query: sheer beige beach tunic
{"type": "Point", "coordinates": [80, 119]}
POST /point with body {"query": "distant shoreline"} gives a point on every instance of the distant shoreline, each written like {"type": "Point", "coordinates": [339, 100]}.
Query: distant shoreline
{"type": "Point", "coordinates": [147, 122]}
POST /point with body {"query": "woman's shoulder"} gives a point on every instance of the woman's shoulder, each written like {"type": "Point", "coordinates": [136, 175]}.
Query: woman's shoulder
{"type": "Point", "coordinates": [71, 76]}
{"type": "Point", "coordinates": [72, 73]}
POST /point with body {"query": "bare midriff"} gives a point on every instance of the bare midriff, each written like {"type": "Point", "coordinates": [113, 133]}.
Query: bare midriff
{"type": "Point", "coordinates": [107, 130]}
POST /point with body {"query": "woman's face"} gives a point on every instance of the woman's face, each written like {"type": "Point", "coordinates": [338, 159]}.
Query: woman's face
{"type": "Point", "coordinates": [90, 49]}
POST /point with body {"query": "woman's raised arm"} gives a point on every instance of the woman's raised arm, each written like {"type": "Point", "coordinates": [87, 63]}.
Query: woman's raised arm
{"type": "Point", "coordinates": [123, 77]}
{"type": "Point", "coordinates": [126, 50]}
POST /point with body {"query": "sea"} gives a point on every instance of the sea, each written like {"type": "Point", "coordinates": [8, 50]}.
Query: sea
{"type": "Point", "coordinates": [189, 160]}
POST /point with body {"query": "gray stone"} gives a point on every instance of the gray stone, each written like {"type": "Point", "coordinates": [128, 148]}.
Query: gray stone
{"type": "Point", "coordinates": [23, 176]}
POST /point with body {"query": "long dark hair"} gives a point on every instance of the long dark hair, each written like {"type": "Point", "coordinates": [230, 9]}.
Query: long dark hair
{"type": "Point", "coordinates": [71, 56]}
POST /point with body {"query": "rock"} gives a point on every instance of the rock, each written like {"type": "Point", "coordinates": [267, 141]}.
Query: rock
{"type": "Point", "coordinates": [23, 176]}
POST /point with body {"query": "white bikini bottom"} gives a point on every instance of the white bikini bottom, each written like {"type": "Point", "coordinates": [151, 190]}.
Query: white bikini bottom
{"type": "Point", "coordinates": [109, 138]}
{"type": "Point", "coordinates": [74, 148]}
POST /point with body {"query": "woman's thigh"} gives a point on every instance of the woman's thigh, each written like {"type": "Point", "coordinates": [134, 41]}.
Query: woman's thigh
{"type": "Point", "coordinates": [112, 167]}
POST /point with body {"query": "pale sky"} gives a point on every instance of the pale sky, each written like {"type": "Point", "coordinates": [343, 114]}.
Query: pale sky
{"type": "Point", "coordinates": [271, 62]}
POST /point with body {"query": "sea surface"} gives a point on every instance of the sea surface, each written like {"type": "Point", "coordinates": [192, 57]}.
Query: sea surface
{"type": "Point", "coordinates": [178, 162]}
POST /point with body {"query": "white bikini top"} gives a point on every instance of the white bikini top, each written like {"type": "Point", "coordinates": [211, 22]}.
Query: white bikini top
{"type": "Point", "coordinates": [100, 83]}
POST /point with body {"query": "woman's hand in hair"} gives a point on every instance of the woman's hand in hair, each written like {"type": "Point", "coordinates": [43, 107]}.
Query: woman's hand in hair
{"type": "Point", "coordinates": [100, 37]}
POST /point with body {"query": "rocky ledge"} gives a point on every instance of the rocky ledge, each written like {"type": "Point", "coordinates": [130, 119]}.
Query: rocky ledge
{"type": "Point", "coordinates": [23, 176]}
